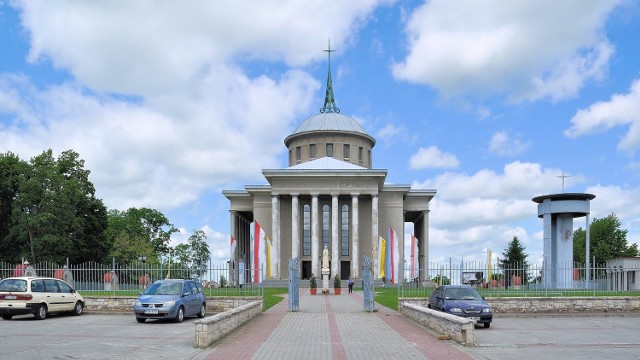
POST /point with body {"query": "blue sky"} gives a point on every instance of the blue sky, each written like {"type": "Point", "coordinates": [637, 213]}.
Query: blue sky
{"type": "Point", "coordinates": [488, 102]}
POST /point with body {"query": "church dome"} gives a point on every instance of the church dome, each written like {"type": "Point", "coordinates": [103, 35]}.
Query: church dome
{"type": "Point", "coordinates": [330, 134]}
{"type": "Point", "coordinates": [330, 122]}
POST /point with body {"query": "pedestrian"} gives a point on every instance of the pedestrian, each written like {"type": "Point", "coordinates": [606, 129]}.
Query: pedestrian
{"type": "Point", "coordinates": [350, 285]}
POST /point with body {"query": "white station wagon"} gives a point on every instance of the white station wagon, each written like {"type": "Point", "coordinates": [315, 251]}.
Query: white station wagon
{"type": "Point", "coordinates": [38, 296]}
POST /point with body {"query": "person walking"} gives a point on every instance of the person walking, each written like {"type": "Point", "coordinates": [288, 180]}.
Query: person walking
{"type": "Point", "coordinates": [350, 285]}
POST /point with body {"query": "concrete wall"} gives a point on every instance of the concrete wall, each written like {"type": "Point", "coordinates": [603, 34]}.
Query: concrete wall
{"type": "Point", "coordinates": [213, 328]}
{"type": "Point", "coordinates": [553, 304]}
{"type": "Point", "coordinates": [125, 304]}
{"type": "Point", "coordinates": [459, 329]}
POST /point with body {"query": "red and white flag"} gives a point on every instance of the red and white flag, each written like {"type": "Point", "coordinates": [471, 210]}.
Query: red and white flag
{"type": "Point", "coordinates": [234, 244]}
{"type": "Point", "coordinates": [259, 256]}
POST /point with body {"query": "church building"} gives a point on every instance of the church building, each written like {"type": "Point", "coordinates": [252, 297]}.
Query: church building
{"type": "Point", "coordinates": [329, 195]}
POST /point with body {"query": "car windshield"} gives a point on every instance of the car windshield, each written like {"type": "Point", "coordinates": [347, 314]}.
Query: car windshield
{"type": "Point", "coordinates": [164, 289]}
{"type": "Point", "coordinates": [15, 285]}
{"type": "Point", "coordinates": [461, 294]}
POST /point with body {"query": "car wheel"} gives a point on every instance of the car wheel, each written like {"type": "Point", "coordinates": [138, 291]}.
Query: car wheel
{"type": "Point", "coordinates": [486, 325]}
{"type": "Point", "coordinates": [7, 316]}
{"type": "Point", "coordinates": [41, 312]}
{"type": "Point", "coordinates": [140, 320]}
{"type": "Point", "coordinates": [77, 310]}
{"type": "Point", "coordinates": [180, 315]}
{"type": "Point", "coordinates": [203, 311]}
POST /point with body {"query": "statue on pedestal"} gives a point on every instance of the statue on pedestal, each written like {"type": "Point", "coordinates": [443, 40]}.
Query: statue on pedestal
{"type": "Point", "coordinates": [325, 270]}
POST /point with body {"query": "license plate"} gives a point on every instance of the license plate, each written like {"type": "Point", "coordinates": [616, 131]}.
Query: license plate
{"type": "Point", "coordinates": [151, 311]}
{"type": "Point", "coordinates": [474, 318]}
{"type": "Point", "coordinates": [10, 297]}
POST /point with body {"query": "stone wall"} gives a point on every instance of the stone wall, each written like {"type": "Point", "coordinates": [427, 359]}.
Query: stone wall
{"type": "Point", "coordinates": [457, 328]}
{"type": "Point", "coordinates": [554, 304]}
{"type": "Point", "coordinates": [125, 304]}
{"type": "Point", "coordinates": [213, 328]}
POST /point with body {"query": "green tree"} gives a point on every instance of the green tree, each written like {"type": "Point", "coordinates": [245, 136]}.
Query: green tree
{"type": "Point", "coordinates": [514, 261]}
{"type": "Point", "coordinates": [55, 214]}
{"type": "Point", "coordinates": [12, 171]}
{"type": "Point", "coordinates": [194, 254]}
{"type": "Point", "coordinates": [607, 241]}
{"type": "Point", "coordinates": [137, 232]}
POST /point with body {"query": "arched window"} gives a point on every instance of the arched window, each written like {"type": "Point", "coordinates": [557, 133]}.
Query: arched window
{"type": "Point", "coordinates": [344, 238]}
{"type": "Point", "coordinates": [306, 231]}
{"type": "Point", "coordinates": [326, 227]}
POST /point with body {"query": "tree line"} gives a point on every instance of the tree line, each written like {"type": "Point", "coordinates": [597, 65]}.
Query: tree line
{"type": "Point", "coordinates": [49, 212]}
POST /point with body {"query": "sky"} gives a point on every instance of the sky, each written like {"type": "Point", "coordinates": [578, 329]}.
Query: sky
{"type": "Point", "coordinates": [487, 102]}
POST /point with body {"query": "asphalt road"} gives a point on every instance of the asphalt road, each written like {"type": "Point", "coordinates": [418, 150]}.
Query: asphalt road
{"type": "Point", "coordinates": [99, 336]}
{"type": "Point", "coordinates": [610, 336]}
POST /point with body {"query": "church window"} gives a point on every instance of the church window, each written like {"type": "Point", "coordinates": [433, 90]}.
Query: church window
{"type": "Point", "coordinates": [326, 226]}
{"type": "Point", "coordinates": [298, 153]}
{"type": "Point", "coordinates": [360, 154]}
{"type": "Point", "coordinates": [312, 151]}
{"type": "Point", "coordinates": [330, 150]}
{"type": "Point", "coordinates": [346, 151]}
{"type": "Point", "coordinates": [344, 238]}
{"type": "Point", "coordinates": [306, 231]}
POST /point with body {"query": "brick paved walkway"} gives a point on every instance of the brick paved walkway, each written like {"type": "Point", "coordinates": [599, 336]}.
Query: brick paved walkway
{"type": "Point", "coordinates": [333, 327]}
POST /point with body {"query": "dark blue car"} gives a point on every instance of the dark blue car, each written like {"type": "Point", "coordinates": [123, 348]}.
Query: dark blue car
{"type": "Point", "coordinates": [463, 301]}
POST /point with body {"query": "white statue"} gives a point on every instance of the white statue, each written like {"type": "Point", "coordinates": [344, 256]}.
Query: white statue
{"type": "Point", "coordinates": [325, 258]}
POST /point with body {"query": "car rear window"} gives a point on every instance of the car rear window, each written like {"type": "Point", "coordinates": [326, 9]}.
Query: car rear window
{"type": "Point", "coordinates": [13, 285]}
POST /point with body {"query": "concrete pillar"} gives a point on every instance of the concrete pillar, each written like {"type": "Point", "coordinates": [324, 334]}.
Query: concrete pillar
{"type": "Point", "coordinates": [335, 236]}
{"type": "Point", "coordinates": [295, 221]}
{"type": "Point", "coordinates": [423, 250]}
{"type": "Point", "coordinates": [315, 237]}
{"type": "Point", "coordinates": [374, 234]}
{"type": "Point", "coordinates": [275, 236]}
{"type": "Point", "coordinates": [355, 237]}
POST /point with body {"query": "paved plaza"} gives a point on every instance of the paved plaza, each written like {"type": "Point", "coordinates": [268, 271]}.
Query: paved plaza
{"type": "Point", "coordinates": [326, 327]}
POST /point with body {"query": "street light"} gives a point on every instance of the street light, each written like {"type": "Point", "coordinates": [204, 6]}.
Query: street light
{"type": "Point", "coordinates": [142, 258]}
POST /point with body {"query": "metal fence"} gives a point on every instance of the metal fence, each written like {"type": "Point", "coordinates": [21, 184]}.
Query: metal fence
{"type": "Point", "coordinates": [526, 279]}
{"type": "Point", "coordinates": [133, 278]}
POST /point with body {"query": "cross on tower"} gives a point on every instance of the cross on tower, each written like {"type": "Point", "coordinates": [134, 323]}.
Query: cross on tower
{"type": "Point", "coordinates": [563, 176]}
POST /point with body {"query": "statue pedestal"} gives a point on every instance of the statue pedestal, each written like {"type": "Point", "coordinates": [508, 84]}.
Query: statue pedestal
{"type": "Point", "coordinates": [325, 279]}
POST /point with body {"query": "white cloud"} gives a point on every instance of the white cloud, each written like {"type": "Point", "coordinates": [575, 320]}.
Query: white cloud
{"type": "Point", "coordinates": [432, 157]}
{"type": "Point", "coordinates": [145, 47]}
{"type": "Point", "coordinates": [620, 110]}
{"type": "Point", "coordinates": [390, 133]}
{"type": "Point", "coordinates": [195, 115]}
{"type": "Point", "coordinates": [502, 144]}
{"type": "Point", "coordinates": [527, 50]}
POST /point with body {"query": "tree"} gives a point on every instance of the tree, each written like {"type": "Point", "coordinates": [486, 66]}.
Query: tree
{"type": "Point", "coordinates": [607, 241]}
{"type": "Point", "coordinates": [514, 261]}
{"type": "Point", "coordinates": [137, 232]}
{"type": "Point", "coordinates": [12, 171]}
{"type": "Point", "coordinates": [55, 214]}
{"type": "Point", "coordinates": [193, 254]}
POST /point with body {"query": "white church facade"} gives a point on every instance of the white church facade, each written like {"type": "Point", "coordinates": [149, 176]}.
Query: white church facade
{"type": "Point", "coordinates": [329, 195]}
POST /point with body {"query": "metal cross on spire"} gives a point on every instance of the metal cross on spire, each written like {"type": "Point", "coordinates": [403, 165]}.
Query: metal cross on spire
{"type": "Point", "coordinates": [563, 176]}
{"type": "Point", "coordinates": [329, 100]}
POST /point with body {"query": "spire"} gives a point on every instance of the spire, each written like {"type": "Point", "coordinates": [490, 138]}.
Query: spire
{"type": "Point", "coordinates": [329, 100]}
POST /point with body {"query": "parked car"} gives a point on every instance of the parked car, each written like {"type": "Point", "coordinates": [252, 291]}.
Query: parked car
{"type": "Point", "coordinates": [462, 301]}
{"type": "Point", "coordinates": [171, 299]}
{"type": "Point", "coordinates": [39, 296]}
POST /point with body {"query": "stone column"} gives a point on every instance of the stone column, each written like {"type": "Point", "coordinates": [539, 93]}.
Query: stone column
{"type": "Point", "coordinates": [423, 250]}
{"type": "Point", "coordinates": [335, 236]}
{"type": "Point", "coordinates": [355, 236]}
{"type": "Point", "coordinates": [295, 221]}
{"type": "Point", "coordinates": [315, 236]}
{"type": "Point", "coordinates": [275, 236]}
{"type": "Point", "coordinates": [374, 234]}
{"type": "Point", "coordinates": [232, 255]}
